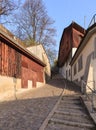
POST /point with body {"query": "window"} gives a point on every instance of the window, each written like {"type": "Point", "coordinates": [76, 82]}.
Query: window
{"type": "Point", "coordinates": [95, 48]}
{"type": "Point", "coordinates": [75, 69]}
{"type": "Point", "coordinates": [80, 65]}
{"type": "Point", "coordinates": [69, 72]}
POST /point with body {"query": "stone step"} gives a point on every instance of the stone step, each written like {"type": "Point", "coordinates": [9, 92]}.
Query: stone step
{"type": "Point", "coordinates": [71, 110]}
{"type": "Point", "coordinates": [72, 118]}
{"type": "Point", "coordinates": [71, 123]}
{"type": "Point", "coordinates": [70, 102]}
{"type": "Point", "coordinates": [57, 126]}
{"type": "Point", "coordinates": [71, 113]}
{"type": "Point", "coordinates": [72, 106]}
{"type": "Point", "coordinates": [70, 98]}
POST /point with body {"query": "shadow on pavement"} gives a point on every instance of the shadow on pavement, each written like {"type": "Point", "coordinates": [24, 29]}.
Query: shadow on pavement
{"type": "Point", "coordinates": [60, 82]}
{"type": "Point", "coordinates": [25, 114]}
{"type": "Point", "coordinates": [30, 110]}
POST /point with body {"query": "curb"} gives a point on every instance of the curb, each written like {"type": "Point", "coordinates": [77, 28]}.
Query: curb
{"type": "Point", "coordinates": [89, 109]}
{"type": "Point", "coordinates": [44, 124]}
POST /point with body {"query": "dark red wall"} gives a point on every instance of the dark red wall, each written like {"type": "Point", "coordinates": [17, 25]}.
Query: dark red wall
{"type": "Point", "coordinates": [14, 63]}
{"type": "Point", "coordinates": [31, 71]}
{"type": "Point", "coordinates": [70, 38]}
{"type": "Point", "coordinates": [10, 61]}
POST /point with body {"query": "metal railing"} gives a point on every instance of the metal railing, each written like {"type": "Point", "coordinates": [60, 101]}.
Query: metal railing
{"type": "Point", "coordinates": [93, 21]}
{"type": "Point", "coordinates": [90, 95]}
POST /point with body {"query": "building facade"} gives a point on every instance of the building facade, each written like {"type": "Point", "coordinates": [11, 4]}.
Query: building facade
{"type": "Point", "coordinates": [18, 66]}
{"type": "Point", "coordinates": [39, 51]}
{"type": "Point", "coordinates": [70, 40]}
{"type": "Point", "coordinates": [83, 63]}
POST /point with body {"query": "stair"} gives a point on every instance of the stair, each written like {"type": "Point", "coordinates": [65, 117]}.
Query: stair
{"type": "Point", "coordinates": [70, 115]}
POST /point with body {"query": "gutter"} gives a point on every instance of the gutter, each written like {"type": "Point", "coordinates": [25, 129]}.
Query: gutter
{"type": "Point", "coordinates": [83, 43]}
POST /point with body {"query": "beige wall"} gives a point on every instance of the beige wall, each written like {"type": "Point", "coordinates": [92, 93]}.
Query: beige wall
{"type": "Point", "coordinates": [87, 50]}
{"type": "Point", "coordinates": [37, 51]}
{"type": "Point", "coordinates": [8, 85]}
{"type": "Point", "coordinates": [39, 84]}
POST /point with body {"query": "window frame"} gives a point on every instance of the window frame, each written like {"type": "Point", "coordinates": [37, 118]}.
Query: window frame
{"type": "Point", "coordinates": [80, 63]}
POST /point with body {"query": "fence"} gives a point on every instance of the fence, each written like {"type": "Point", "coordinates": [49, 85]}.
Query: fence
{"type": "Point", "coordinates": [91, 94]}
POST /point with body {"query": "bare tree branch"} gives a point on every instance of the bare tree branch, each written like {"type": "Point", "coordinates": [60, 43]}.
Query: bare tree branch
{"type": "Point", "coordinates": [6, 7]}
{"type": "Point", "coordinates": [32, 22]}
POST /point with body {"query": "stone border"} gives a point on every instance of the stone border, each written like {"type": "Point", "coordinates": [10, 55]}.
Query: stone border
{"type": "Point", "coordinates": [44, 124]}
{"type": "Point", "coordinates": [87, 105]}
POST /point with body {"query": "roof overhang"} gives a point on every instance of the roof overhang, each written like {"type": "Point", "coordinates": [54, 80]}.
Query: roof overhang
{"type": "Point", "coordinates": [90, 31]}
{"type": "Point", "coordinates": [13, 42]}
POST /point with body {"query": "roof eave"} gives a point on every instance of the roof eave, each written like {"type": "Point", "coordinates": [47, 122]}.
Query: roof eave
{"type": "Point", "coordinates": [24, 50]}
{"type": "Point", "coordinates": [83, 43]}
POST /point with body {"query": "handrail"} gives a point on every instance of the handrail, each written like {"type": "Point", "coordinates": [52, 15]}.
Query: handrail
{"type": "Point", "coordinates": [85, 83]}
{"type": "Point", "coordinates": [93, 91]}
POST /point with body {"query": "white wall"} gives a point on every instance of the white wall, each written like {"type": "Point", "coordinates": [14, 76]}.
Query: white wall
{"type": "Point", "coordinates": [62, 71]}
{"type": "Point", "coordinates": [87, 50]}
{"type": "Point", "coordinates": [65, 69]}
{"type": "Point", "coordinates": [73, 51]}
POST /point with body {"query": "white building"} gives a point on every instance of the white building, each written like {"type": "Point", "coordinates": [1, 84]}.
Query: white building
{"type": "Point", "coordinates": [83, 63]}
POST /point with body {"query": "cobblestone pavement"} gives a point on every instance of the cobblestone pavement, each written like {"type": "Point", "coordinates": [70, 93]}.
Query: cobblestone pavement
{"type": "Point", "coordinates": [31, 108]}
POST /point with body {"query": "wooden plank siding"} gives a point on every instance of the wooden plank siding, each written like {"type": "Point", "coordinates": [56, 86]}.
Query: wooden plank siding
{"type": "Point", "coordinates": [31, 71]}
{"type": "Point", "coordinates": [10, 61]}
{"type": "Point", "coordinates": [17, 62]}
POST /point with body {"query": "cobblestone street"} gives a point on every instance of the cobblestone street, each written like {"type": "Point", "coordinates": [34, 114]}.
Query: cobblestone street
{"type": "Point", "coordinates": [31, 108]}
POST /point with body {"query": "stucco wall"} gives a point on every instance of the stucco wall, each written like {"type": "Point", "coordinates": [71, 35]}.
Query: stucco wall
{"type": "Point", "coordinates": [8, 86]}
{"type": "Point", "coordinates": [64, 70]}
{"type": "Point", "coordinates": [87, 51]}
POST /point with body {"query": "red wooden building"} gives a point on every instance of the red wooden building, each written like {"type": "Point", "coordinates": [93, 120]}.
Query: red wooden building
{"type": "Point", "coordinates": [71, 38]}
{"type": "Point", "coordinates": [17, 64]}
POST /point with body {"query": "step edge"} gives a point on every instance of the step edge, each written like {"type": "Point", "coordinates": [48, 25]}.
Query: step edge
{"type": "Point", "coordinates": [72, 123]}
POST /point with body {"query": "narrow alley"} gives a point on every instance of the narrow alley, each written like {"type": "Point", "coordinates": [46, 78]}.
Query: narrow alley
{"type": "Point", "coordinates": [55, 106]}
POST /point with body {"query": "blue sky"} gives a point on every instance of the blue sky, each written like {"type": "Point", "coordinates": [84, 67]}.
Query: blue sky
{"type": "Point", "coordinates": [66, 11]}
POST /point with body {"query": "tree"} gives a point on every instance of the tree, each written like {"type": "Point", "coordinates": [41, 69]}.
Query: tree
{"type": "Point", "coordinates": [52, 55]}
{"type": "Point", "coordinates": [34, 24]}
{"type": "Point", "coordinates": [31, 23]}
{"type": "Point", "coordinates": [6, 7]}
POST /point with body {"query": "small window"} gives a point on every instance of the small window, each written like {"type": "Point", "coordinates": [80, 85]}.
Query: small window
{"type": "Point", "coordinates": [69, 72]}
{"type": "Point", "coordinates": [66, 74]}
{"type": "Point", "coordinates": [80, 65]}
{"type": "Point", "coordinates": [75, 69]}
{"type": "Point", "coordinates": [95, 48]}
